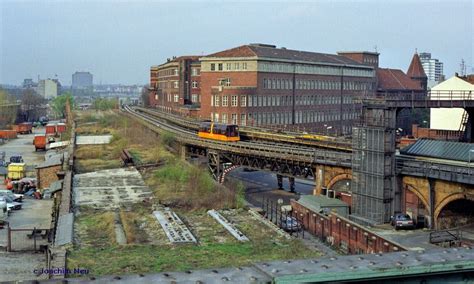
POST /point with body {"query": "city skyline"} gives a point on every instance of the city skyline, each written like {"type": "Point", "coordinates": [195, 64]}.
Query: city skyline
{"type": "Point", "coordinates": [60, 38]}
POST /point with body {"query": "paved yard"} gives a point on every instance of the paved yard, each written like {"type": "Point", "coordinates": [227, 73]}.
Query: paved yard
{"type": "Point", "coordinates": [110, 188]}
{"type": "Point", "coordinates": [22, 266]}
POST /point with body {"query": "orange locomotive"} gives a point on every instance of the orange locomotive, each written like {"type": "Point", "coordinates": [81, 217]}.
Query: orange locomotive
{"type": "Point", "coordinates": [221, 132]}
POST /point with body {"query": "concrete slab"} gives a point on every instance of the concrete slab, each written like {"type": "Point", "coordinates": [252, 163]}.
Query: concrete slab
{"type": "Point", "coordinates": [174, 228]}
{"type": "Point", "coordinates": [110, 189]}
{"type": "Point", "coordinates": [93, 139]}
{"type": "Point", "coordinates": [65, 230]}
{"type": "Point", "coordinates": [228, 225]}
{"type": "Point", "coordinates": [411, 239]}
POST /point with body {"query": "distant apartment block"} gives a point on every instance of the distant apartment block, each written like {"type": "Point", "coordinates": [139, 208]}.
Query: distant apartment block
{"type": "Point", "coordinates": [82, 80]}
{"type": "Point", "coordinates": [48, 88]}
{"type": "Point", "coordinates": [433, 68]}
{"type": "Point", "coordinates": [28, 83]}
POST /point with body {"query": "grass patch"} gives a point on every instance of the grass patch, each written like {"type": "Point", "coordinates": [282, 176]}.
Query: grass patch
{"type": "Point", "coordinates": [143, 259]}
{"type": "Point", "coordinates": [95, 229]}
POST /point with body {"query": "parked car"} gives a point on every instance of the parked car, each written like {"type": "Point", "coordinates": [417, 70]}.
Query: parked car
{"type": "Point", "coordinates": [402, 221]}
{"type": "Point", "coordinates": [290, 224]}
{"type": "Point", "coordinates": [10, 203]}
{"type": "Point", "coordinates": [16, 197]}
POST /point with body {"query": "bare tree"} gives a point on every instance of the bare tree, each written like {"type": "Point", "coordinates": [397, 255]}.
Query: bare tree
{"type": "Point", "coordinates": [8, 109]}
{"type": "Point", "coordinates": [33, 106]}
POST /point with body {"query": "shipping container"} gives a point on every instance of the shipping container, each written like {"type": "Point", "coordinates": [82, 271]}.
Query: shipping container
{"type": "Point", "coordinates": [8, 134]}
{"type": "Point", "coordinates": [51, 129]}
{"type": "Point", "coordinates": [40, 142]}
{"type": "Point", "coordinates": [16, 171]}
{"type": "Point", "coordinates": [24, 128]}
{"type": "Point", "coordinates": [60, 128]}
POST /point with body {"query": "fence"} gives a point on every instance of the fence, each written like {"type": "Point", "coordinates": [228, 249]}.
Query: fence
{"type": "Point", "coordinates": [285, 220]}
{"type": "Point", "coordinates": [34, 239]}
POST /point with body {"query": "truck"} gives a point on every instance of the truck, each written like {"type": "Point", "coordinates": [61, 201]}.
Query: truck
{"type": "Point", "coordinates": [24, 128]}
{"type": "Point", "coordinates": [40, 142]}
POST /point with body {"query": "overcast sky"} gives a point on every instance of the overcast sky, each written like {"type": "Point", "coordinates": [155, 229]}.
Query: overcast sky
{"type": "Point", "coordinates": [118, 41]}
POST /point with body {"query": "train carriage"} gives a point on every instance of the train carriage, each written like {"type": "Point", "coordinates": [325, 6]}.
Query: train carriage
{"type": "Point", "coordinates": [221, 132]}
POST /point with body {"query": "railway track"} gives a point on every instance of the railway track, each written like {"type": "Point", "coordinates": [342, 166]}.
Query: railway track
{"type": "Point", "coordinates": [261, 134]}
{"type": "Point", "coordinates": [266, 149]}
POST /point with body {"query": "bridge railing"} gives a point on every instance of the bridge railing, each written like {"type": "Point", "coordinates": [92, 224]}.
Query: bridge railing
{"type": "Point", "coordinates": [429, 96]}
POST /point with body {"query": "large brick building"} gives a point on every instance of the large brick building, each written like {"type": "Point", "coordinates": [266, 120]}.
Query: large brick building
{"type": "Point", "coordinates": [175, 85]}
{"type": "Point", "coordinates": [260, 84]}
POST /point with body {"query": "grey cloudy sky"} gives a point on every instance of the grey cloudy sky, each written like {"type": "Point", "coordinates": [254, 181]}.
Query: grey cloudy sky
{"type": "Point", "coordinates": [118, 41]}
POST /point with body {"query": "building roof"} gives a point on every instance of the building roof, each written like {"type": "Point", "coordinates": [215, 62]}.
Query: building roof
{"type": "Point", "coordinates": [455, 151]}
{"type": "Point", "coordinates": [468, 78]}
{"type": "Point", "coordinates": [178, 59]}
{"type": "Point", "coordinates": [54, 160]}
{"type": "Point", "coordinates": [416, 68]}
{"type": "Point", "coordinates": [395, 79]}
{"type": "Point", "coordinates": [270, 51]}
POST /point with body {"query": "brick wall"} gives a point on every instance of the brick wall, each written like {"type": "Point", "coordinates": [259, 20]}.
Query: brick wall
{"type": "Point", "coordinates": [342, 233]}
{"type": "Point", "coordinates": [48, 175]}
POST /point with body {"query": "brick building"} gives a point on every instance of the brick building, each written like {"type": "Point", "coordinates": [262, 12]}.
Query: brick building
{"type": "Point", "coordinates": [175, 85]}
{"type": "Point", "coordinates": [260, 84]}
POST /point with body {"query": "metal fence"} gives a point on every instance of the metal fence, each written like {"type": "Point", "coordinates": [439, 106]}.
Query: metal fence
{"type": "Point", "coordinates": [34, 239]}
{"type": "Point", "coordinates": [287, 221]}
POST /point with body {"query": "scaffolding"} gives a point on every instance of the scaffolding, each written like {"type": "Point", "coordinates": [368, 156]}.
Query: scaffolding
{"type": "Point", "coordinates": [373, 166]}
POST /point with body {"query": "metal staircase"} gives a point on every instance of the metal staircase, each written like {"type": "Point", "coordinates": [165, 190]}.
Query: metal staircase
{"type": "Point", "coordinates": [462, 126]}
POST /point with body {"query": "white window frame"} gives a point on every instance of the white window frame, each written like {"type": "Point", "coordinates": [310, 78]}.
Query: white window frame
{"type": "Point", "coordinates": [234, 101]}
{"type": "Point", "coordinates": [243, 100]}
{"type": "Point", "coordinates": [225, 102]}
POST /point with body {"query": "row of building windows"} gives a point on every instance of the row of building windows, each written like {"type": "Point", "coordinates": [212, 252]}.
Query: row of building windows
{"type": "Point", "coordinates": [287, 84]}
{"type": "Point", "coordinates": [314, 69]}
{"type": "Point", "coordinates": [168, 72]}
{"type": "Point", "coordinates": [264, 101]}
{"type": "Point", "coordinates": [281, 117]}
{"type": "Point", "coordinates": [229, 66]}
{"type": "Point", "coordinates": [175, 85]}
{"type": "Point", "coordinates": [195, 98]}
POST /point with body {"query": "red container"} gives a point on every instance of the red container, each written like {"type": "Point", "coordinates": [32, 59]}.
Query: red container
{"type": "Point", "coordinates": [8, 134]}
{"type": "Point", "coordinates": [50, 129]}
{"type": "Point", "coordinates": [60, 128]}
{"type": "Point", "coordinates": [24, 128]}
{"type": "Point", "coordinates": [40, 142]}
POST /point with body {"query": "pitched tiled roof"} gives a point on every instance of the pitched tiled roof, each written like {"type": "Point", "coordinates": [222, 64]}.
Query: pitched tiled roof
{"type": "Point", "coordinates": [394, 79]}
{"type": "Point", "coordinates": [286, 54]}
{"type": "Point", "coordinates": [416, 69]}
{"type": "Point", "coordinates": [468, 78]}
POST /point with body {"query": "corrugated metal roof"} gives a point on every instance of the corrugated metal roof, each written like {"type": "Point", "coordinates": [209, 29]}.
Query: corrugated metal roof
{"type": "Point", "coordinates": [456, 151]}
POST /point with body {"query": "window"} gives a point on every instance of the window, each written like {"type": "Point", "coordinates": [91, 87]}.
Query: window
{"type": "Point", "coordinates": [220, 66]}
{"type": "Point", "coordinates": [212, 100]}
{"type": "Point", "coordinates": [243, 101]}
{"type": "Point", "coordinates": [194, 84]}
{"type": "Point", "coordinates": [243, 120]}
{"type": "Point", "coordinates": [224, 118]}
{"type": "Point", "coordinates": [236, 66]}
{"type": "Point", "coordinates": [195, 72]}
{"type": "Point", "coordinates": [213, 67]}
{"type": "Point", "coordinates": [175, 84]}
{"type": "Point", "coordinates": [176, 72]}
{"type": "Point", "coordinates": [251, 101]}
{"type": "Point", "coordinates": [228, 66]}
{"type": "Point", "coordinates": [234, 118]}
{"type": "Point", "coordinates": [176, 98]}
{"type": "Point", "coordinates": [234, 101]}
{"type": "Point", "coordinates": [224, 101]}
{"type": "Point", "coordinates": [216, 103]}
{"type": "Point", "coordinates": [265, 84]}
{"type": "Point", "coordinates": [194, 98]}
{"type": "Point", "coordinates": [244, 65]}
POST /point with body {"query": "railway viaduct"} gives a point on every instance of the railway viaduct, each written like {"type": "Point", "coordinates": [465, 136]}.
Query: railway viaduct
{"type": "Point", "coordinates": [382, 182]}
